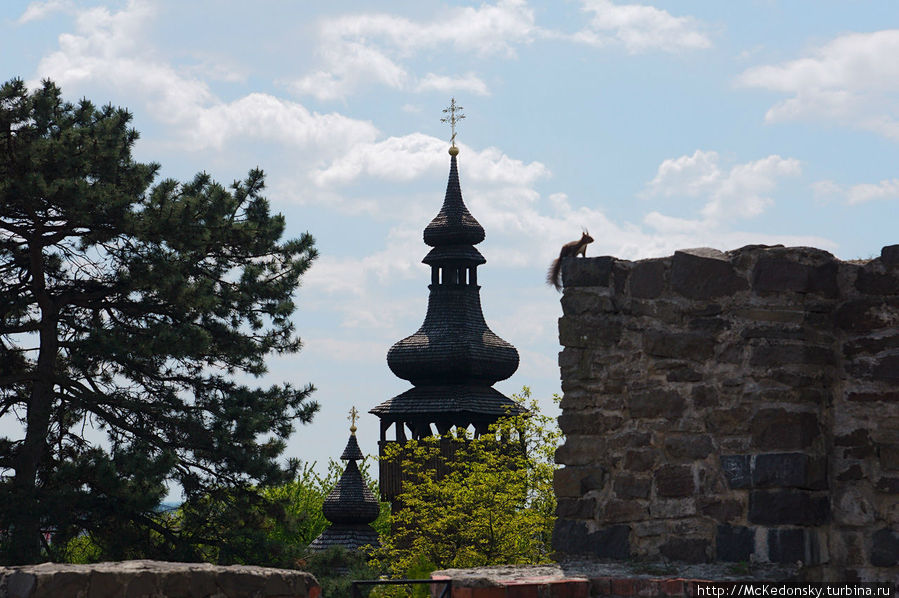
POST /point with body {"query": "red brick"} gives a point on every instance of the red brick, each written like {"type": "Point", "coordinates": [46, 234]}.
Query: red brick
{"type": "Point", "coordinates": [315, 592]}
{"type": "Point", "coordinates": [646, 587]}
{"type": "Point", "coordinates": [691, 584]}
{"type": "Point", "coordinates": [523, 590]}
{"type": "Point", "coordinates": [672, 587]}
{"type": "Point", "coordinates": [462, 592]}
{"type": "Point", "coordinates": [601, 586]}
{"type": "Point", "coordinates": [499, 592]}
{"type": "Point", "coordinates": [622, 587]}
{"type": "Point", "coordinates": [570, 588]}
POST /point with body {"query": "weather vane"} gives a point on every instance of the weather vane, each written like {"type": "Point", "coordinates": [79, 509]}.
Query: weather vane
{"type": "Point", "coordinates": [353, 416]}
{"type": "Point", "coordinates": [453, 118]}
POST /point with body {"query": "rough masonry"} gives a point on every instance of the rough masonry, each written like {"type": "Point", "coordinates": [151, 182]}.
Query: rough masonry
{"type": "Point", "coordinates": [732, 407]}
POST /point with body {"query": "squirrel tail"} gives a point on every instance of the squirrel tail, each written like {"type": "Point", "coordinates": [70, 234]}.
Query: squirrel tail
{"type": "Point", "coordinates": [554, 274]}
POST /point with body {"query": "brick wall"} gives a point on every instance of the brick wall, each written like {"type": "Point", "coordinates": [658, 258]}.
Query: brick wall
{"type": "Point", "coordinates": [739, 406]}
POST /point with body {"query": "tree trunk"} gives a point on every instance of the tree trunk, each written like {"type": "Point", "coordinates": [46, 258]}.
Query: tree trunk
{"type": "Point", "coordinates": [26, 521]}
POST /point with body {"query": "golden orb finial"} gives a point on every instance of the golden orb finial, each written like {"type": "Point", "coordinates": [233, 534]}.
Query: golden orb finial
{"type": "Point", "coordinates": [353, 416]}
{"type": "Point", "coordinates": [453, 150]}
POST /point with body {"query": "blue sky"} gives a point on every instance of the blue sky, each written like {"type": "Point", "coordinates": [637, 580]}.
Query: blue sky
{"type": "Point", "coordinates": [657, 125]}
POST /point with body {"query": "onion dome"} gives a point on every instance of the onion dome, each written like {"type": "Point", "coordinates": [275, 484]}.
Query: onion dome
{"type": "Point", "coordinates": [350, 506]}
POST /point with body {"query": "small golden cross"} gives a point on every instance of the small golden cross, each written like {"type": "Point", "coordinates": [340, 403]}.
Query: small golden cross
{"type": "Point", "coordinates": [453, 118]}
{"type": "Point", "coordinates": [354, 415]}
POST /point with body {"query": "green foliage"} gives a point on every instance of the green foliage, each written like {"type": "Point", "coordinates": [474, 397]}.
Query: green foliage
{"type": "Point", "coordinates": [336, 568]}
{"type": "Point", "coordinates": [491, 504]}
{"type": "Point", "coordinates": [127, 306]}
{"type": "Point", "coordinates": [304, 496]}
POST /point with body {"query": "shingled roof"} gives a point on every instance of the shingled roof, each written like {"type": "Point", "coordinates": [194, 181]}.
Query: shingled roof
{"type": "Point", "coordinates": [350, 507]}
{"type": "Point", "coordinates": [453, 224]}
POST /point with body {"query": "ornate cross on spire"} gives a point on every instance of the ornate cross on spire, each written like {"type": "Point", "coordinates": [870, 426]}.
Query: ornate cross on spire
{"type": "Point", "coordinates": [354, 415]}
{"type": "Point", "coordinates": [453, 118]}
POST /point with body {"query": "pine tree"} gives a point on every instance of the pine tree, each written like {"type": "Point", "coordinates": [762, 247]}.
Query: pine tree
{"type": "Point", "coordinates": [128, 307]}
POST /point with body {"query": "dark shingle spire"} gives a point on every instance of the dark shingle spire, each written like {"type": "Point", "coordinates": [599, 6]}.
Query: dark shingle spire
{"type": "Point", "coordinates": [350, 506]}
{"type": "Point", "coordinates": [454, 359]}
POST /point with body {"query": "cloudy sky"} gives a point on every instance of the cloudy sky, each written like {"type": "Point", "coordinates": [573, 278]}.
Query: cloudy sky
{"type": "Point", "coordinates": [657, 125]}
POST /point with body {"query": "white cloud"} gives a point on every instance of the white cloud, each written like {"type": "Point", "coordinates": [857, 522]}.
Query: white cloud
{"type": "Point", "coordinates": [39, 10]}
{"type": "Point", "coordinates": [108, 49]}
{"type": "Point", "coordinates": [365, 49]}
{"type": "Point", "coordinates": [468, 82]}
{"type": "Point", "coordinates": [852, 80]}
{"type": "Point", "coordinates": [740, 192]}
{"type": "Point", "coordinates": [640, 28]}
{"type": "Point", "coordinates": [860, 193]}
{"type": "Point", "coordinates": [410, 156]}
{"type": "Point", "coordinates": [369, 48]}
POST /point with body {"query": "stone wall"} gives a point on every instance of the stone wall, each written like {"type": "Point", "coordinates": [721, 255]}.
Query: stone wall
{"type": "Point", "coordinates": [734, 407]}
{"type": "Point", "coordinates": [154, 579]}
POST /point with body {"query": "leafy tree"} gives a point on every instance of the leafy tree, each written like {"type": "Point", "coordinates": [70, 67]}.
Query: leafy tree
{"type": "Point", "coordinates": [127, 307]}
{"type": "Point", "coordinates": [493, 503]}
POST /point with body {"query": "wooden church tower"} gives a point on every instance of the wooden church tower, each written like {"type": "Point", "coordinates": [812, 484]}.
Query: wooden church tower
{"type": "Point", "coordinates": [454, 359]}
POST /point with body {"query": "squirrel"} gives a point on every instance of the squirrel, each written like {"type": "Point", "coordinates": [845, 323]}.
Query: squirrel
{"type": "Point", "coordinates": [568, 250]}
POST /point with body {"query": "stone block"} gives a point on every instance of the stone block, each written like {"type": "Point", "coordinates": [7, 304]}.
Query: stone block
{"type": "Point", "coordinates": [612, 542]}
{"type": "Point", "coordinates": [736, 470]}
{"type": "Point", "coordinates": [728, 422]}
{"type": "Point", "coordinates": [870, 345]}
{"type": "Point", "coordinates": [684, 374]}
{"type": "Point", "coordinates": [852, 473]}
{"type": "Point", "coordinates": [889, 456]}
{"type": "Point", "coordinates": [689, 550]}
{"type": "Point", "coordinates": [774, 333]}
{"type": "Point", "coordinates": [734, 543]}
{"type": "Point", "coordinates": [576, 508]}
{"type": "Point", "coordinates": [631, 486]}
{"type": "Point", "coordinates": [885, 548]}
{"type": "Point", "coordinates": [589, 332]}
{"type": "Point", "coordinates": [788, 507]}
{"type": "Point", "coordinates": [648, 278]}
{"type": "Point", "coordinates": [688, 446]}
{"type": "Point", "coordinates": [674, 481]}
{"type": "Point", "coordinates": [890, 255]}
{"type": "Point", "coordinates": [887, 396]}
{"type": "Point", "coordinates": [586, 301]}
{"type": "Point", "coordinates": [672, 508]}
{"type": "Point", "coordinates": [789, 470]}
{"type": "Point", "coordinates": [704, 396]}
{"type": "Point", "coordinates": [640, 460]}
{"type": "Point", "coordinates": [876, 283]}
{"type": "Point", "coordinates": [668, 404]}
{"type": "Point", "coordinates": [587, 272]}
{"type": "Point", "coordinates": [580, 449]}
{"type": "Point", "coordinates": [863, 315]}
{"type": "Point", "coordinates": [777, 274]}
{"type": "Point", "coordinates": [786, 545]}
{"type": "Point", "coordinates": [778, 429]}
{"type": "Point", "coordinates": [574, 422]}
{"type": "Point", "coordinates": [678, 345]}
{"type": "Point", "coordinates": [778, 355]}
{"type": "Point", "coordinates": [719, 509]}
{"type": "Point", "coordinates": [709, 326]}
{"type": "Point", "coordinates": [888, 484]}
{"type": "Point", "coordinates": [853, 506]}
{"type": "Point", "coordinates": [144, 578]}
{"type": "Point", "coordinates": [618, 511]}
{"type": "Point", "coordinates": [570, 536]}
{"type": "Point", "coordinates": [704, 274]}
{"type": "Point", "coordinates": [887, 369]}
